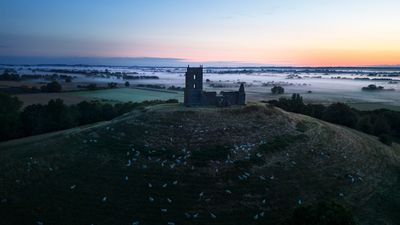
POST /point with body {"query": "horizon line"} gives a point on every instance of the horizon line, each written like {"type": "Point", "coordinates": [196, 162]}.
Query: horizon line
{"type": "Point", "coordinates": [155, 66]}
{"type": "Point", "coordinates": [146, 61]}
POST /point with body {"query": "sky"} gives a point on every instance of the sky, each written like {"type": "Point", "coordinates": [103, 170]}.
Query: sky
{"type": "Point", "coordinates": [218, 32]}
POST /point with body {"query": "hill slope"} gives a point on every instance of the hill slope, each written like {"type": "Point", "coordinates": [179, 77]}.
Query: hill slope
{"type": "Point", "coordinates": [168, 163]}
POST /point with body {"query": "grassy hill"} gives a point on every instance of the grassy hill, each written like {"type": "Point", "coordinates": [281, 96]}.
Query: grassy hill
{"type": "Point", "coordinates": [169, 164]}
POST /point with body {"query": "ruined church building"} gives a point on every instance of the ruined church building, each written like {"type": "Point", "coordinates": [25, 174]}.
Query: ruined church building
{"type": "Point", "coordinates": [195, 96]}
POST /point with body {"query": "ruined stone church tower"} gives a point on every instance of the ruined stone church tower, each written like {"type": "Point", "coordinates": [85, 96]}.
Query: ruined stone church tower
{"type": "Point", "coordinates": [193, 86]}
{"type": "Point", "coordinates": [195, 96]}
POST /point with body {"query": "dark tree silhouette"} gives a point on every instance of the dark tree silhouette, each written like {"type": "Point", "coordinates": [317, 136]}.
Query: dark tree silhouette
{"type": "Point", "coordinates": [340, 113]}
{"type": "Point", "coordinates": [383, 123]}
{"type": "Point", "coordinates": [9, 117]}
{"type": "Point", "coordinates": [277, 90]}
{"type": "Point", "coordinates": [53, 86]}
{"type": "Point", "coordinates": [364, 124]}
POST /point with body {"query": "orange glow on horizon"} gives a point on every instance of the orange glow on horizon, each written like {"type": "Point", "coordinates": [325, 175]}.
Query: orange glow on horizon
{"type": "Point", "coordinates": [302, 52]}
{"type": "Point", "coordinates": [349, 58]}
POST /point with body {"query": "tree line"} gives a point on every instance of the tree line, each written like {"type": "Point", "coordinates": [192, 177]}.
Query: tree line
{"type": "Point", "coordinates": [383, 123]}
{"type": "Point", "coordinates": [56, 115]}
{"type": "Point", "coordinates": [12, 75]}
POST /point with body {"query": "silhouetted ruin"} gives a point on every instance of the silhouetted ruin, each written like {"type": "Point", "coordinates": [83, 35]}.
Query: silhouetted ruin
{"type": "Point", "coordinates": [195, 96]}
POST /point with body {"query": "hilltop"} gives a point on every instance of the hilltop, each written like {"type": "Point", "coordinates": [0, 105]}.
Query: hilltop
{"type": "Point", "coordinates": [171, 164]}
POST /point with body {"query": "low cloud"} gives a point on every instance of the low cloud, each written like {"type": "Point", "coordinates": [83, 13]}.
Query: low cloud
{"type": "Point", "coordinates": [106, 61]}
{"type": "Point", "coordinates": [119, 61]}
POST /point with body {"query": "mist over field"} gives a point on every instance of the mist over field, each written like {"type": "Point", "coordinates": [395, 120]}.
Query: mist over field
{"type": "Point", "coordinates": [318, 85]}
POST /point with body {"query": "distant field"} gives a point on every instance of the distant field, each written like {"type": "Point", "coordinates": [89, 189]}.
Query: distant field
{"type": "Point", "coordinates": [129, 94]}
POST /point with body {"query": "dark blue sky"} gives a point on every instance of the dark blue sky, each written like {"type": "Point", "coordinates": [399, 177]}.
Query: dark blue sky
{"type": "Point", "coordinates": [286, 32]}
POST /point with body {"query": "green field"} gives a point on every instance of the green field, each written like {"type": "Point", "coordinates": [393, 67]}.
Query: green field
{"type": "Point", "coordinates": [129, 94]}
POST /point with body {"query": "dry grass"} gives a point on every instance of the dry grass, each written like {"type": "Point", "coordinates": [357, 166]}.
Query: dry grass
{"type": "Point", "coordinates": [173, 143]}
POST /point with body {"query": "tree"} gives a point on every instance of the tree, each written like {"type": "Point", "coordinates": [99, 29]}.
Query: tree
{"type": "Point", "coordinates": [108, 112]}
{"type": "Point", "coordinates": [54, 116]}
{"type": "Point", "coordinates": [381, 126]}
{"type": "Point", "coordinates": [53, 86]}
{"type": "Point", "coordinates": [372, 87]}
{"type": "Point", "coordinates": [277, 90]}
{"type": "Point", "coordinates": [33, 119]}
{"type": "Point", "coordinates": [92, 87]}
{"type": "Point", "coordinates": [393, 117]}
{"type": "Point", "coordinates": [127, 84]}
{"type": "Point", "coordinates": [340, 113]}
{"type": "Point", "coordinates": [297, 99]}
{"type": "Point", "coordinates": [364, 124]}
{"type": "Point", "coordinates": [9, 75]}
{"type": "Point", "coordinates": [9, 117]}
{"type": "Point", "coordinates": [112, 85]}
{"type": "Point", "coordinates": [89, 112]}
{"type": "Point", "coordinates": [68, 79]}
{"type": "Point", "coordinates": [314, 110]}
{"type": "Point", "coordinates": [59, 116]}
{"type": "Point", "coordinates": [296, 103]}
